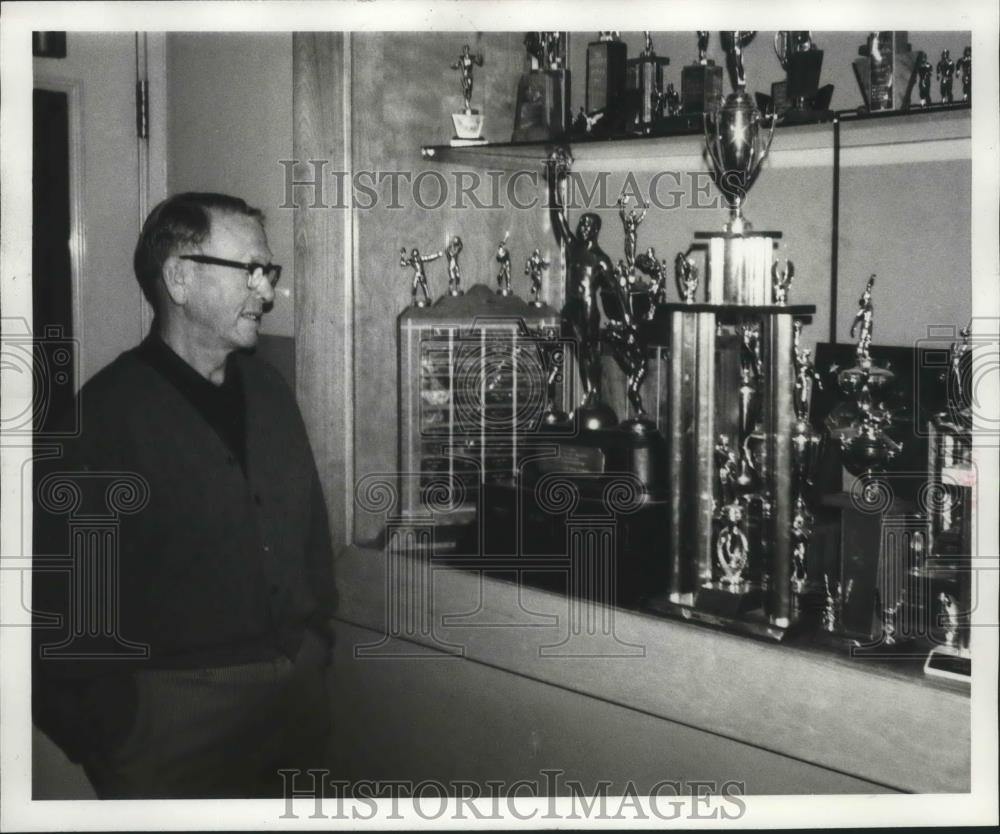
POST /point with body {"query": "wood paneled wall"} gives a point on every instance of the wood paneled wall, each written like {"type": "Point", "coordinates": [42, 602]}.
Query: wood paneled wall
{"type": "Point", "coordinates": [324, 268]}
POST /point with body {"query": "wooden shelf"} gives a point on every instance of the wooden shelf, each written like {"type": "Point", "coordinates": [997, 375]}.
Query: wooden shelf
{"type": "Point", "coordinates": [938, 132]}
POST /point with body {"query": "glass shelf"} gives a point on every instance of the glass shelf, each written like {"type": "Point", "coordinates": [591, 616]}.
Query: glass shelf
{"type": "Point", "coordinates": [943, 131]}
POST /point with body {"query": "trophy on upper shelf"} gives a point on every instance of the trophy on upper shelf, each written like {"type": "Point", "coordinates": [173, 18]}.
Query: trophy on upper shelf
{"type": "Point", "coordinates": [925, 70]}
{"type": "Point", "coordinates": [468, 123]}
{"type": "Point", "coordinates": [886, 71]}
{"type": "Point", "coordinates": [964, 69]}
{"type": "Point", "coordinates": [646, 89]}
{"type": "Point", "coordinates": [945, 73]}
{"type": "Point", "coordinates": [606, 71]}
{"type": "Point", "coordinates": [799, 97]}
{"type": "Point", "coordinates": [542, 110]}
{"type": "Point", "coordinates": [701, 82]}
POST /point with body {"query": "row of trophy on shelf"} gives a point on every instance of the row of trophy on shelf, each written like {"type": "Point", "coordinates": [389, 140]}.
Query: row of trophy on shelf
{"type": "Point", "coordinates": [534, 268]}
{"type": "Point", "coordinates": [632, 95]}
{"type": "Point", "coordinates": [888, 68]}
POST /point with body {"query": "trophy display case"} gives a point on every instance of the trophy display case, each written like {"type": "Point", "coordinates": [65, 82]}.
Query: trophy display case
{"type": "Point", "coordinates": [744, 519]}
{"type": "Point", "coordinates": [476, 377]}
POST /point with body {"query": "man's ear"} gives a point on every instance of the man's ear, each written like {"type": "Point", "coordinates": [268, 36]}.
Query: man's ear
{"type": "Point", "coordinates": [176, 274]}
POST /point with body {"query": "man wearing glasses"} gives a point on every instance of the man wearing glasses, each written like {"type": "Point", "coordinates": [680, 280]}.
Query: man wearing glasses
{"type": "Point", "coordinates": [213, 673]}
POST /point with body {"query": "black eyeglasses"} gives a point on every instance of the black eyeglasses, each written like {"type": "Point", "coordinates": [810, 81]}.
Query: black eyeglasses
{"type": "Point", "coordinates": [272, 272]}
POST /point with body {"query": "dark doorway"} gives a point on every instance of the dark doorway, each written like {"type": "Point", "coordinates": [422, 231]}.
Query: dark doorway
{"type": "Point", "coordinates": [52, 281]}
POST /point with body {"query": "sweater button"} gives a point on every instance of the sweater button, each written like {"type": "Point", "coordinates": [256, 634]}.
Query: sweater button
{"type": "Point", "coordinates": [256, 499]}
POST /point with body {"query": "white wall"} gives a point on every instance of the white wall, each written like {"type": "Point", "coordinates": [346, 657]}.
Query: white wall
{"type": "Point", "coordinates": [98, 72]}
{"type": "Point", "coordinates": [229, 124]}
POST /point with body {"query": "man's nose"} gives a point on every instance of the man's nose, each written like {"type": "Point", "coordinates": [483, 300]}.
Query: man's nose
{"type": "Point", "coordinates": [262, 287]}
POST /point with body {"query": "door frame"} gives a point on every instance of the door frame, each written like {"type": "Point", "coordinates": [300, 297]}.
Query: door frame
{"type": "Point", "coordinates": [151, 65]}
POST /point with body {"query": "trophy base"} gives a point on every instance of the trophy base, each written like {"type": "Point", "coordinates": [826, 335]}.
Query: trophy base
{"type": "Point", "coordinates": [728, 601]}
{"type": "Point", "coordinates": [468, 125]}
{"type": "Point", "coordinates": [677, 123]}
{"type": "Point", "coordinates": [752, 622]}
{"type": "Point", "coordinates": [948, 662]}
{"type": "Point", "coordinates": [555, 418]}
{"type": "Point", "coordinates": [643, 84]}
{"type": "Point", "coordinates": [595, 416]}
{"type": "Point", "coordinates": [640, 426]}
{"type": "Point", "coordinates": [805, 116]}
{"type": "Point", "coordinates": [797, 110]}
{"type": "Point", "coordinates": [525, 522]}
{"type": "Point", "coordinates": [701, 88]}
{"type": "Point", "coordinates": [606, 74]}
{"type": "Point", "coordinates": [610, 451]}
{"type": "Point", "coordinates": [803, 74]}
{"type": "Point", "coordinates": [739, 264]}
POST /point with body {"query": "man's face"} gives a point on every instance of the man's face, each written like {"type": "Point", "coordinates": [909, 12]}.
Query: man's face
{"type": "Point", "coordinates": [588, 227]}
{"type": "Point", "coordinates": [221, 310]}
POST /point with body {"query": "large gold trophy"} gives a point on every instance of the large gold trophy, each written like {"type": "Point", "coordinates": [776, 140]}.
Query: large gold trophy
{"type": "Point", "coordinates": [740, 444]}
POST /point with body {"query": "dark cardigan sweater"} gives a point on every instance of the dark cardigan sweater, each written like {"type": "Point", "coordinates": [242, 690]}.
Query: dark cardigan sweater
{"type": "Point", "coordinates": [217, 567]}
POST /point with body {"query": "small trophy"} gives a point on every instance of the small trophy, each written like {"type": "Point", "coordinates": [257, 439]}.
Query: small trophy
{"type": "Point", "coordinates": [945, 73]}
{"type": "Point", "coordinates": [782, 278]}
{"type": "Point", "coordinates": [686, 275]}
{"type": "Point", "coordinates": [964, 69]}
{"type": "Point", "coordinates": [542, 110]}
{"type": "Point", "coordinates": [416, 261]}
{"type": "Point", "coordinates": [925, 69]}
{"type": "Point", "coordinates": [452, 252]}
{"type": "Point", "coordinates": [606, 59]}
{"type": "Point", "coordinates": [657, 270]}
{"type": "Point", "coordinates": [468, 123]}
{"type": "Point", "coordinates": [701, 82]}
{"type": "Point", "coordinates": [886, 71]}
{"type": "Point", "coordinates": [503, 276]}
{"type": "Point", "coordinates": [631, 218]}
{"type": "Point", "coordinates": [632, 302]}
{"type": "Point", "coordinates": [802, 61]}
{"type": "Point", "coordinates": [645, 87]}
{"type": "Point", "coordinates": [633, 305]}
{"type": "Point", "coordinates": [859, 426]}
{"type": "Point", "coordinates": [533, 268]}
